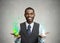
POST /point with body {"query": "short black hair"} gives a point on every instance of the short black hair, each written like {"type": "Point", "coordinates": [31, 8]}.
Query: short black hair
{"type": "Point", "coordinates": [29, 8]}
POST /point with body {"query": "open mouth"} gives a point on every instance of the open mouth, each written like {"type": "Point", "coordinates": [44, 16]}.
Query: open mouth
{"type": "Point", "coordinates": [30, 18]}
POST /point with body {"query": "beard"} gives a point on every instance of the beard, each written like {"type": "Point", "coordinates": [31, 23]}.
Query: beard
{"type": "Point", "coordinates": [29, 19]}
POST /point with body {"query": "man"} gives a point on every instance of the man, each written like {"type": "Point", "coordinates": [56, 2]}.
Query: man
{"type": "Point", "coordinates": [30, 30]}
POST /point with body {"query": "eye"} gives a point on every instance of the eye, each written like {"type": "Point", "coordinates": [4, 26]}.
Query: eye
{"type": "Point", "coordinates": [31, 13]}
{"type": "Point", "coordinates": [26, 13]}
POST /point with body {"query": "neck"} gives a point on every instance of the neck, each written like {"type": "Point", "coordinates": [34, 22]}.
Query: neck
{"type": "Point", "coordinates": [29, 22]}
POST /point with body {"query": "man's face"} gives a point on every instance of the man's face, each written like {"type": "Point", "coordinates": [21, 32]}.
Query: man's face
{"type": "Point", "coordinates": [29, 15]}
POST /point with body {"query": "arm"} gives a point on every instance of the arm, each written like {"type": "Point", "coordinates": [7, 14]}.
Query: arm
{"type": "Point", "coordinates": [17, 35]}
{"type": "Point", "coordinates": [42, 33]}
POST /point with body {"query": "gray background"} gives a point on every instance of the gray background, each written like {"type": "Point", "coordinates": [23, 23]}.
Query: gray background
{"type": "Point", "coordinates": [47, 13]}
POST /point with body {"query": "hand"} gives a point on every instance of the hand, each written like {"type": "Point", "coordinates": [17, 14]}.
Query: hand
{"type": "Point", "coordinates": [42, 36]}
{"type": "Point", "coordinates": [46, 33]}
{"type": "Point", "coordinates": [17, 36]}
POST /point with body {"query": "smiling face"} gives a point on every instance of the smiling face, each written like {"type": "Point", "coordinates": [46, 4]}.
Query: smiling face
{"type": "Point", "coordinates": [29, 15]}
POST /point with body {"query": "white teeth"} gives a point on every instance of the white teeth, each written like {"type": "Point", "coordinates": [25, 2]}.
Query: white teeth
{"type": "Point", "coordinates": [29, 18]}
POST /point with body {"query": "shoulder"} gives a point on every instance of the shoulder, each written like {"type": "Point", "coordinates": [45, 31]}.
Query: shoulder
{"type": "Point", "coordinates": [36, 23]}
{"type": "Point", "coordinates": [22, 23]}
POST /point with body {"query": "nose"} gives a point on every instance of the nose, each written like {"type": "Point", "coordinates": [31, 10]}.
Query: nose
{"type": "Point", "coordinates": [29, 15]}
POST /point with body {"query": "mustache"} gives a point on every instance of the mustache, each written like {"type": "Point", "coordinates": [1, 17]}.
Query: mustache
{"type": "Point", "coordinates": [30, 17]}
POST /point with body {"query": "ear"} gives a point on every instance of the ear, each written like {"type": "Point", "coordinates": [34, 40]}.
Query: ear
{"type": "Point", "coordinates": [24, 14]}
{"type": "Point", "coordinates": [34, 14]}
